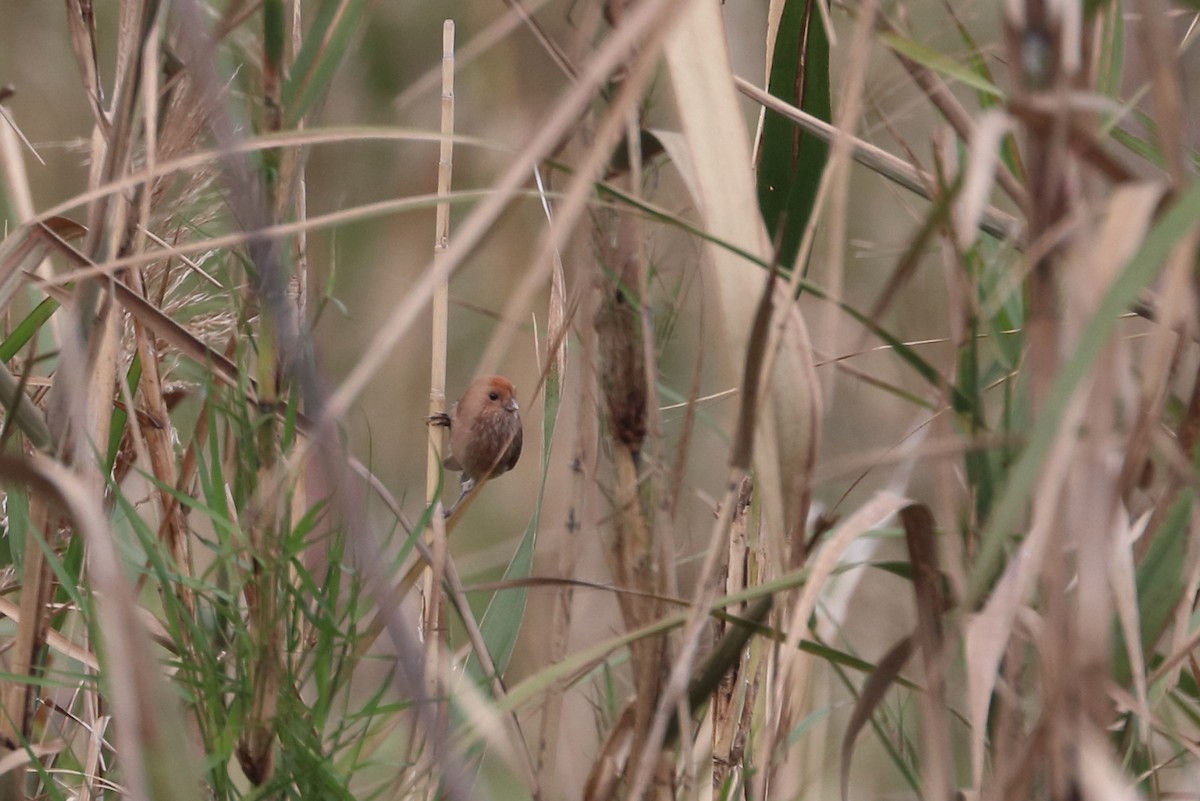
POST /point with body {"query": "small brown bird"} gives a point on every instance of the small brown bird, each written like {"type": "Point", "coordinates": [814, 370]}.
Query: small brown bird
{"type": "Point", "coordinates": [485, 432]}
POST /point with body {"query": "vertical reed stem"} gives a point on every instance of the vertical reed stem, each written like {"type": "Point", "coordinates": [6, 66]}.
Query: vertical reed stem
{"type": "Point", "coordinates": [434, 622]}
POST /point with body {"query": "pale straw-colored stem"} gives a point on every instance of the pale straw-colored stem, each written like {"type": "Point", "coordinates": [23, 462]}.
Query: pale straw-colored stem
{"type": "Point", "coordinates": [441, 295]}
{"type": "Point", "coordinates": [434, 613]}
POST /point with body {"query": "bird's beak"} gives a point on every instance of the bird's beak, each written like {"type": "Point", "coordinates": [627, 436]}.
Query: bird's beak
{"type": "Point", "coordinates": [512, 405]}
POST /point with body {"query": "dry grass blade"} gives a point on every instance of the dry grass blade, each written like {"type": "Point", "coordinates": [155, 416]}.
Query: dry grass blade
{"type": "Point", "coordinates": [23, 249]}
{"type": "Point", "coordinates": [1090, 503]}
{"type": "Point", "coordinates": [954, 113]}
{"type": "Point", "coordinates": [787, 690]}
{"type": "Point", "coordinates": [12, 138]}
{"type": "Point", "coordinates": [54, 639]}
{"type": "Point", "coordinates": [81, 22]}
{"type": "Point", "coordinates": [199, 160]}
{"type": "Point", "coordinates": [977, 182]}
{"type": "Point", "coordinates": [873, 692]}
{"type": "Point", "coordinates": [993, 221]}
{"type": "Point", "coordinates": [938, 757]}
{"type": "Point", "coordinates": [988, 632]}
{"type": "Point", "coordinates": [153, 318]}
{"type": "Point", "coordinates": [1166, 87]}
{"type": "Point", "coordinates": [718, 149]}
{"type": "Point", "coordinates": [1123, 580]}
{"type": "Point", "coordinates": [37, 589]}
{"type": "Point", "coordinates": [1099, 777]}
{"type": "Point", "coordinates": [264, 235]}
{"type": "Point", "coordinates": [728, 732]}
{"type": "Point", "coordinates": [610, 763]}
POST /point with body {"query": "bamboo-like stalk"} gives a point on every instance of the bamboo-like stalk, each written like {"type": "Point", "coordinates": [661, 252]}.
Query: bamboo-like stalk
{"type": "Point", "coordinates": [434, 613]}
{"type": "Point", "coordinates": [158, 437]}
{"type": "Point", "coordinates": [441, 294]}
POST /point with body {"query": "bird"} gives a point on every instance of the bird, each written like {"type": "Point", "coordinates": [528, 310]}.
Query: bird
{"type": "Point", "coordinates": [485, 432]}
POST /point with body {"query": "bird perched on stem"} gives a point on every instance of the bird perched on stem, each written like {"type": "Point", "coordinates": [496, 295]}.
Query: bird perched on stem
{"type": "Point", "coordinates": [485, 432]}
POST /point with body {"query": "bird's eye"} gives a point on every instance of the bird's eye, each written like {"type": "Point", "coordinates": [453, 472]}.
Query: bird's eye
{"type": "Point", "coordinates": [494, 395]}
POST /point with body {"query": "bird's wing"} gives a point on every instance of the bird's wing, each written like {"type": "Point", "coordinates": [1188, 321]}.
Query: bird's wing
{"type": "Point", "coordinates": [514, 451]}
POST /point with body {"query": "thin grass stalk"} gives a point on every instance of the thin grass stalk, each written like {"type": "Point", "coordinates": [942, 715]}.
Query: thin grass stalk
{"type": "Point", "coordinates": [729, 702]}
{"type": "Point", "coordinates": [1166, 87]}
{"type": "Point", "coordinates": [441, 294]}
{"type": "Point", "coordinates": [294, 193]}
{"type": "Point", "coordinates": [267, 520]}
{"type": "Point", "coordinates": [37, 587]}
{"type": "Point", "coordinates": [277, 231]}
{"type": "Point", "coordinates": [434, 614]}
{"type": "Point", "coordinates": [937, 758]}
{"type": "Point", "coordinates": [158, 435]}
{"type": "Point", "coordinates": [37, 584]}
{"type": "Point", "coordinates": [292, 171]}
{"type": "Point", "coordinates": [940, 96]}
{"type": "Point", "coordinates": [20, 194]}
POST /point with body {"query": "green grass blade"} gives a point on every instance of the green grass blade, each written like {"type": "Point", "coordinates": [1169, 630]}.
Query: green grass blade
{"type": "Point", "coordinates": [27, 328]}
{"type": "Point", "coordinates": [932, 59]}
{"type": "Point", "coordinates": [792, 161]}
{"type": "Point", "coordinates": [324, 46]}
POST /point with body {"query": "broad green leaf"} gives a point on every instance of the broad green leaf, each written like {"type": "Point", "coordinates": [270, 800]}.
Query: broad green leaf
{"type": "Point", "coordinates": [790, 160]}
